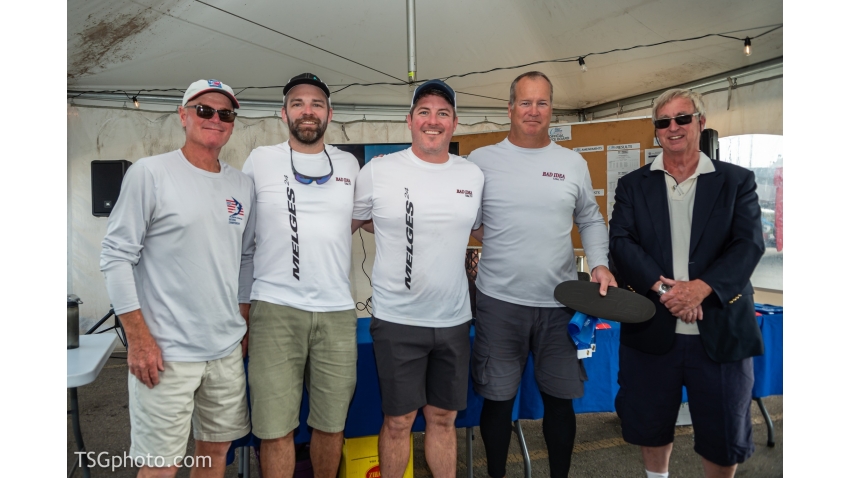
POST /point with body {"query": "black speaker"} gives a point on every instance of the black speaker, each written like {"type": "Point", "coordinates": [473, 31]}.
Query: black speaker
{"type": "Point", "coordinates": [106, 178]}
{"type": "Point", "coordinates": [710, 144]}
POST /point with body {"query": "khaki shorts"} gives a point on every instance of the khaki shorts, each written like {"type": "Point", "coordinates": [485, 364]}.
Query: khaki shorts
{"type": "Point", "coordinates": [209, 395]}
{"type": "Point", "coordinates": [289, 347]}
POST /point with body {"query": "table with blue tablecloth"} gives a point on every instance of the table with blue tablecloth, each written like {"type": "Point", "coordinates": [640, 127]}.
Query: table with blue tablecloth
{"type": "Point", "coordinates": [365, 416]}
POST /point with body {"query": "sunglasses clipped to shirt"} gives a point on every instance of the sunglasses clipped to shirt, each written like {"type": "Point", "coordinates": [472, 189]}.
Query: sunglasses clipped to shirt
{"type": "Point", "coordinates": [680, 120]}
{"type": "Point", "coordinates": [309, 179]}
{"type": "Point", "coordinates": [207, 112]}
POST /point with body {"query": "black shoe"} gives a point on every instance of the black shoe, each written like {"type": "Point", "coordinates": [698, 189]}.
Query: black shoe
{"type": "Point", "coordinates": [619, 305]}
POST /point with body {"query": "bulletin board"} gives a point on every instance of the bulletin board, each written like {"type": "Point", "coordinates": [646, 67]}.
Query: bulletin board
{"type": "Point", "coordinates": [627, 134]}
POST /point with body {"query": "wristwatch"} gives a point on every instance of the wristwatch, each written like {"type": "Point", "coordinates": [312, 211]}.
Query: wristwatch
{"type": "Point", "coordinates": [663, 289]}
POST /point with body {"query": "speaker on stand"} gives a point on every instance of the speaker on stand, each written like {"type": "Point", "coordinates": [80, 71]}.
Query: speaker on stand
{"type": "Point", "coordinates": [106, 178]}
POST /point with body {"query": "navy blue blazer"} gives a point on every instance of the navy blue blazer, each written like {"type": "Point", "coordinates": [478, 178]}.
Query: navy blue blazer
{"type": "Point", "coordinates": [726, 245]}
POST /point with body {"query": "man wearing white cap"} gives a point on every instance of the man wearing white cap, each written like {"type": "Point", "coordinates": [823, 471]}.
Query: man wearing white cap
{"type": "Point", "coordinates": [304, 326]}
{"type": "Point", "coordinates": [172, 256]}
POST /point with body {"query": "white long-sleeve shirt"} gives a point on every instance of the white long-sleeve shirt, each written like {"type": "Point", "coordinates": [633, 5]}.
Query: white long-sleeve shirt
{"type": "Point", "coordinates": [532, 197]}
{"type": "Point", "coordinates": [173, 248]}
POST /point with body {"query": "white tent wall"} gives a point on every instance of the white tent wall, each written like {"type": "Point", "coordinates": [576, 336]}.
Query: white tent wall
{"type": "Point", "coordinates": [754, 108]}
{"type": "Point", "coordinates": [123, 133]}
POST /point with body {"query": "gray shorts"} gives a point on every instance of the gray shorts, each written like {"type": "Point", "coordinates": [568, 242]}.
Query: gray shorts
{"type": "Point", "coordinates": [504, 334]}
{"type": "Point", "coordinates": [420, 366]}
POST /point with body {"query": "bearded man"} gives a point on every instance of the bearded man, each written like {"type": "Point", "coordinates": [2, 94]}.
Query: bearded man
{"type": "Point", "coordinates": [297, 293]}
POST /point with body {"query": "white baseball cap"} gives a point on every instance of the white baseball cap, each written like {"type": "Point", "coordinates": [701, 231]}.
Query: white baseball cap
{"type": "Point", "coordinates": [200, 87]}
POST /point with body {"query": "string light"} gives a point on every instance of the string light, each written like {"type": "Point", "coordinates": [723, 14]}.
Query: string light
{"type": "Point", "coordinates": [136, 101]}
{"type": "Point", "coordinates": [580, 59]}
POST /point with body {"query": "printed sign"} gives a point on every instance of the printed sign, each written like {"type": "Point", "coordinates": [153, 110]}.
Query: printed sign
{"type": "Point", "coordinates": [561, 133]}
{"type": "Point", "coordinates": [617, 147]}
{"type": "Point", "coordinates": [589, 149]}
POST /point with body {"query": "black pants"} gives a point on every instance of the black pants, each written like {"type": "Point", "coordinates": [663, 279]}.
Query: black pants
{"type": "Point", "coordinates": [559, 432]}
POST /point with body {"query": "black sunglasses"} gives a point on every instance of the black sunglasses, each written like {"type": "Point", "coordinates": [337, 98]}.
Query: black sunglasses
{"type": "Point", "coordinates": [207, 112]}
{"type": "Point", "coordinates": [680, 120]}
{"type": "Point", "coordinates": [309, 179]}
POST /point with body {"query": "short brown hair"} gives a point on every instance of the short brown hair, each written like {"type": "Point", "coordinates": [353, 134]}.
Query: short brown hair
{"type": "Point", "coordinates": [532, 75]}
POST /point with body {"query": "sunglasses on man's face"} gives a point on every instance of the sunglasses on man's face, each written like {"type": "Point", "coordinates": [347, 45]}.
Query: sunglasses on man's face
{"type": "Point", "coordinates": [207, 112]}
{"type": "Point", "coordinates": [680, 120]}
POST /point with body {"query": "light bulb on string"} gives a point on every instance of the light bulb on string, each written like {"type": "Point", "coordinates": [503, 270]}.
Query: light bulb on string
{"type": "Point", "coordinates": [748, 46]}
{"type": "Point", "coordinates": [136, 101]}
{"type": "Point", "coordinates": [582, 64]}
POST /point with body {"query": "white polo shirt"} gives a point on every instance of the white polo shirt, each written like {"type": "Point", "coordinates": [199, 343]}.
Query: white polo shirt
{"type": "Point", "coordinates": [680, 205]}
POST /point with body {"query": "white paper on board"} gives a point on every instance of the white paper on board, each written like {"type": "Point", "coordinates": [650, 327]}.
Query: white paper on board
{"type": "Point", "coordinates": [650, 155]}
{"type": "Point", "coordinates": [623, 160]}
{"type": "Point", "coordinates": [561, 133]}
{"type": "Point", "coordinates": [616, 147]}
{"type": "Point", "coordinates": [599, 192]}
{"type": "Point", "coordinates": [620, 163]}
{"type": "Point", "coordinates": [589, 149]}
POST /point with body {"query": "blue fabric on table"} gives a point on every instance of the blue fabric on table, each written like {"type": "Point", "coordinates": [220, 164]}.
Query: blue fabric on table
{"type": "Point", "coordinates": [365, 416]}
{"type": "Point", "coordinates": [768, 367]}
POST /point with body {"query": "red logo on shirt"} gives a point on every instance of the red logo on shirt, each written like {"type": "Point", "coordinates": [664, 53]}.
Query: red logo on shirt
{"type": "Point", "coordinates": [555, 176]}
{"type": "Point", "coordinates": [344, 180]}
{"type": "Point", "coordinates": [465, 192]}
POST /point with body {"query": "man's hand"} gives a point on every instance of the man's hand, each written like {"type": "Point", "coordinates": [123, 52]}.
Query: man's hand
{"type": "Point", "coordinates": [604, 277]}
{"type": "Point", "coordinates": [366, 224]}
{"type": "Point", "coordinates": [478, 234]}
{"type": "Point", "coordinates": [144, 356]}
{"type": "Point", "coordinates": [692, 315]}
{"type": "Point", "coordinates": [684, 295]}
{"type": "Point", "coordinates": [244, 310]}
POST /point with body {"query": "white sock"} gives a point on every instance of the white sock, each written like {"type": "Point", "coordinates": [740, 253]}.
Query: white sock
{"type": "Point", "coordinates": [652, 474]}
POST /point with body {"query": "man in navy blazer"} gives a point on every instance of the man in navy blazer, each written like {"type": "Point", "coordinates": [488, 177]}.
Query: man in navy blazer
{"type": "Point", "coordinates": [686, 233]}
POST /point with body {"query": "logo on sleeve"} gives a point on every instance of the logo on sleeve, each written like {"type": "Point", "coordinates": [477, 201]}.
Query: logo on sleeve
{"type": "Point", "coordinates": [555, 176]}
{"type": "Point", "coordinates": [236, 211]}
{"type": "Point", "coordinates": [344, 180]}
{"type": "Point", "coordinates": [465, 192]}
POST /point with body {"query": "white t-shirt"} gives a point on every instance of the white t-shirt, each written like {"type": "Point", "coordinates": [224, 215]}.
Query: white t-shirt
{"type": "Point", "coordinates": [173, 247]}
{"type": "Point", "coordinates": [303, 232]}
{"type": "Point", "coordinates": [531, 198]}
{"type": "Point", "coordinates": [423, 214]}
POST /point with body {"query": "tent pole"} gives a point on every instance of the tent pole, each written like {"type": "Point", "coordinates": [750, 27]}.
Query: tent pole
{"type": "Point", "coordinates": [411, 42]}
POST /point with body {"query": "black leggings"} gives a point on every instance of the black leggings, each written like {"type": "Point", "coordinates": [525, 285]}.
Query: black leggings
{"type": "Point", "coordinates": [559, 431]}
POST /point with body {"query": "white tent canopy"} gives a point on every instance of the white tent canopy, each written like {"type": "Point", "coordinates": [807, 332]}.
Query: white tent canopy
{"type": "Point", "coordinates": [134, 45]}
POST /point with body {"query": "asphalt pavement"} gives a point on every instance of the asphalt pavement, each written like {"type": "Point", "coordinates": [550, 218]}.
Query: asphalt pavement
{"type": "Point", "coordinates": [599, 451]}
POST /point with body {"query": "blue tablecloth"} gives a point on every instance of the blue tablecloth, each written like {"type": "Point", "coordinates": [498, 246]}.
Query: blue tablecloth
{"type": "Point", "coordinates": [365, 416]}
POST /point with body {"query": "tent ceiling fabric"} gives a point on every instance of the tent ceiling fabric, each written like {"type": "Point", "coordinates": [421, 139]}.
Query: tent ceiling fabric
{"type": "Point", "coordinates": [144, 44]}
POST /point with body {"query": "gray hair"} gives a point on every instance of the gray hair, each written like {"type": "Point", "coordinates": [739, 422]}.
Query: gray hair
{"type": "Point", "coordinates": [532, 75]}
{"type": "Point", "coordinates": [670, 95]}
